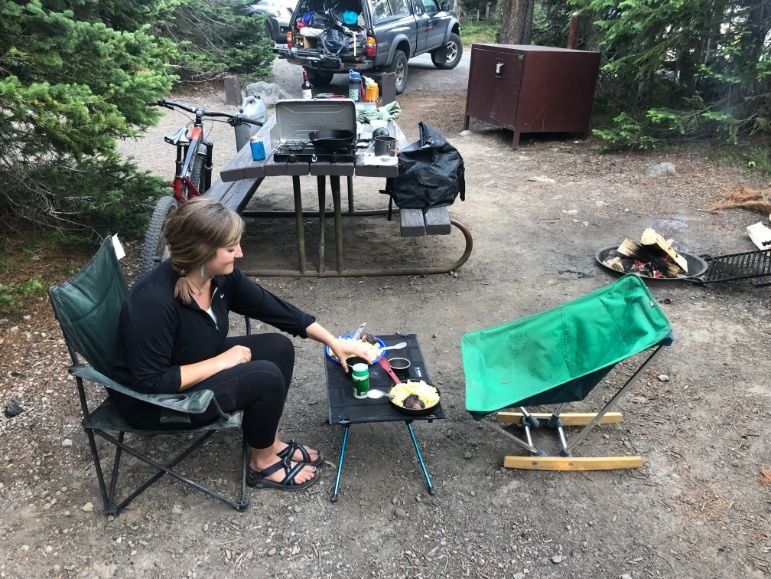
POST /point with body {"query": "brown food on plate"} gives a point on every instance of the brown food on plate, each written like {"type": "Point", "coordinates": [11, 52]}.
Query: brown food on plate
{"type": "Point", "coordinates": [368, 338]}
{"type": "Point", "coordinates": [412, 402]}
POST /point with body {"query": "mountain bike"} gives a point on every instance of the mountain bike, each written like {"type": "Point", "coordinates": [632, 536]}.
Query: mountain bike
{"type": "Point", "coordinates": [192, 170]}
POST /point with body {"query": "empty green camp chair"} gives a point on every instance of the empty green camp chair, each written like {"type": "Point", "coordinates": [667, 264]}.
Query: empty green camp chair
{"type": "Point", "coordinates": [559, 356]}
{"type": "Point", "coordinates": [87, 307]}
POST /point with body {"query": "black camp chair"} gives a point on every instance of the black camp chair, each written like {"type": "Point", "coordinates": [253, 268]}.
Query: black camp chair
{"type": "Point", "coordinates": [87, 307]}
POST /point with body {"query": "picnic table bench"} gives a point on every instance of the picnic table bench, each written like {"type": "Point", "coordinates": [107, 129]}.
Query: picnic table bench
{"type": "Point", "coordinates": [234, 194]}
{"type": "Point", "coordinates": [242, 176]}
{"type": "Point", "coordinates": [416, 223]}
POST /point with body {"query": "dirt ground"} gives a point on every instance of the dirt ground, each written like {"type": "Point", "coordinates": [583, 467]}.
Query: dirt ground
{"type": "Point", "coordinates": [698, 507]}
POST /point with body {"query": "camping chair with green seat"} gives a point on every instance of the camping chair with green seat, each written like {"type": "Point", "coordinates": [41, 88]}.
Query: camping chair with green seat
{"type": "Point", "coordinates": [557, 357]}
{"type": "Point", "coordinates": [87, 307]}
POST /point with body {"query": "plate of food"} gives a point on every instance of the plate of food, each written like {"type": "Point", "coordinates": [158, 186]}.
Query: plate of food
{"type": "Point", "coordinates": [374, 344]}
{"type": "Point", "coordinates": [414, 397]}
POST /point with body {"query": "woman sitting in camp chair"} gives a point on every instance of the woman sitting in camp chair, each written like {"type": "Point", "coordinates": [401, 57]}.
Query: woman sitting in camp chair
{"type": "Point", "coordinates": [173, 337]}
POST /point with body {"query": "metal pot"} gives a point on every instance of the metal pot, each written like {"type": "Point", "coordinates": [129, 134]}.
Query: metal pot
{"type": "Point", "coordinates": [332, 138]}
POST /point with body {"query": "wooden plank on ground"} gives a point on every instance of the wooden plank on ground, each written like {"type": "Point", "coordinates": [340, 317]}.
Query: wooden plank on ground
{"type": "Point", "coordinates": [568, 418]}
{"type": "Point", "coordinates": [760, 235]}
{"type": "Point", "coordinates": [438, 221]}
{"type": "Point", "coordinates": [412, 223]}
{"type": "Point", "coordinates": [572, 463]}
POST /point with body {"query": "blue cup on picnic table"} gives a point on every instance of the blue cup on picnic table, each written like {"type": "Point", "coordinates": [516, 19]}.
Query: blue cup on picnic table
{"type": "Point", "coordinates": [258, 148]}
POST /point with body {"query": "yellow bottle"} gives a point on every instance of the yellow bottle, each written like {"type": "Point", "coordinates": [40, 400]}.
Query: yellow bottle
{"type": "Point", "coordinates": [372, 93]}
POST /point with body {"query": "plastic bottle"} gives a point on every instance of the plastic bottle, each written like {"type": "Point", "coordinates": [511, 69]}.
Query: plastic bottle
{"type": "Point", "coordinates": [372, 93]}
{"type": "Point", "coordinates": [354, 85]}
{"type": "Point", "coordinates": [254, 108]}
{"type": "Point", "coordinates": [307, 87]}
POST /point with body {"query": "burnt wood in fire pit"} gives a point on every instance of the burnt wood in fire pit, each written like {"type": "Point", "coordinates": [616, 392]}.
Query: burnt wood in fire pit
{"type": "Point", "coordinates": [711, 269]}
{"type": "Point", "coordinates": [696, 265]}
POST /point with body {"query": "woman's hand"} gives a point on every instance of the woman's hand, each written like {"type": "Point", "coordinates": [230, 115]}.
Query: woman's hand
{"type": "Point", "coordinates": [235, 356]}
{"type": "Point", "coordinates": [341, 348]}
{"type": "Point", "coordinates": [192, 374]}
{"type": "Point", "coordinates": [346, 348]}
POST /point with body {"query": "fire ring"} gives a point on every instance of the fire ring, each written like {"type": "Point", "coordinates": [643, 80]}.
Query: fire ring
{"type": "Point", "coordinates": [696, 266]}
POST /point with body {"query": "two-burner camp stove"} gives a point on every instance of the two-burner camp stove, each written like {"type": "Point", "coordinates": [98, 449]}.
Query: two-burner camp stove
{"type": "Point", "coordinates": [299, 151]}
{"type": "Point", "coordinates": [296, 119]}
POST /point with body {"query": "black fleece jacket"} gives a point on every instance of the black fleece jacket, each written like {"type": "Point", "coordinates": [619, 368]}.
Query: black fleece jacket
{"type": "Point", "coordinates": [158, 333]}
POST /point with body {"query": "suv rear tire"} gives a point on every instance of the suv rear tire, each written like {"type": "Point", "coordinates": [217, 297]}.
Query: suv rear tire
{"type": "Point", "coordinates": [399, 68]}
{"type": "Point", "coordinates": [318, 78]}
{"type": "Point", "coordinates": [453, 50]}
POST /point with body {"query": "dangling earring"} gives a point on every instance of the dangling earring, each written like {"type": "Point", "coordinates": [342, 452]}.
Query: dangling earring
{"type": "Point", "coordinates": [202, 271]}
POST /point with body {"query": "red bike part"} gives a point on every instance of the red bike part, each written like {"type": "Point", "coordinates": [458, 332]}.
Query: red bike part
{"type": "Point", "coordinates": [182, 184]}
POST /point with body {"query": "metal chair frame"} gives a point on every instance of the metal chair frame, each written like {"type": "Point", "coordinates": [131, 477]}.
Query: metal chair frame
{"type": "Point", "coordinates": [557, 420]}
{"type": "Point", "coordinates": [106, 419]}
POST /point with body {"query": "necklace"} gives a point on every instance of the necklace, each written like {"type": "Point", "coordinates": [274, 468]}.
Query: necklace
{"type": "Point", "coordinates": [198, 290]}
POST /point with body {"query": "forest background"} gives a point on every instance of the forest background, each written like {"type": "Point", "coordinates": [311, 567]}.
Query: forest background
{"type": "Point", "coordinates": [76, 76]}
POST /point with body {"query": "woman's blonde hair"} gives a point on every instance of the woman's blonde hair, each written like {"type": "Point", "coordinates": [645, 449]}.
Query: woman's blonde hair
{"type": "Point", "coordinates": [194, 232]}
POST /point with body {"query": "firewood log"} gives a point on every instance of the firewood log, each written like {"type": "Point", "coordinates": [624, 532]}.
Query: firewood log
{"type": "Point", "coordinates": [651, 239]}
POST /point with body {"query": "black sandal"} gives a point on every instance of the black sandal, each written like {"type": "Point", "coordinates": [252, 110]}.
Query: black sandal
{"type": "Point", "coordinates": [306, 456]}
{"type": "Point", "coordinates": [258, 478]}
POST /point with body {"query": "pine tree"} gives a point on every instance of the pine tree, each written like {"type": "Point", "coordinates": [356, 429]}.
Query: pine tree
{"type": "Point", "coordinates": [76, 75]}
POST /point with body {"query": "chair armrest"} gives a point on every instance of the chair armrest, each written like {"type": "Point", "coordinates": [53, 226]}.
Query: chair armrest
{"type": "Point", "coordinates": [184, 402]}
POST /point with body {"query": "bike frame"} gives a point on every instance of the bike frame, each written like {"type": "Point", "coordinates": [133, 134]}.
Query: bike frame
{"type": "Point", "coordinates": [182, 185]}
{"type": "Point", "coordinates": [188, 140]}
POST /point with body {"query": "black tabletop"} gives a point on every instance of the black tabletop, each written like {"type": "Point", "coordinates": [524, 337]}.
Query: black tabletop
{"type": "Point", "coordinates": [343, 407]}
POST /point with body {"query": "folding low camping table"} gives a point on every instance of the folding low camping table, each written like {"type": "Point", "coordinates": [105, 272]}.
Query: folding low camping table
{"type": "Point", "coordinates": [559, 356]}
{"type": "Point", "coordinates": [345, 410]}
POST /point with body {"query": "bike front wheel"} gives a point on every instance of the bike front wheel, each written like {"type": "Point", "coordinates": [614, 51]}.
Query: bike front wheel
{"type": "Point", "coordinates": [156, 249]}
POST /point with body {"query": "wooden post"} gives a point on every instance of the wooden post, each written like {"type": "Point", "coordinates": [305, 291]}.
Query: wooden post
{"type": "Point", "coordinates": [387, 87]}
{"type": "Point", "coordinates": [573, 31]}
{"type": "Point", "coordinates": [233, 94]}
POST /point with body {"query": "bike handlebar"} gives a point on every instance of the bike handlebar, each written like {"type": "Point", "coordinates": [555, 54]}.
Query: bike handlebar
{"type": "Point", "coordinates": [233, 120]}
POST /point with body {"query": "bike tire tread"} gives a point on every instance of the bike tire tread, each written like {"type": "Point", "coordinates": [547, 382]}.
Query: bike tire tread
{"type": "Point", "coordinates": [152, 250]}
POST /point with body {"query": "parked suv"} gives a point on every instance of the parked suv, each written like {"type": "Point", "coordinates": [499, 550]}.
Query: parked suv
{"type": "Point", "coordinates": [277, 14]}
{"type": "Point", "coordinates": [333, 36]}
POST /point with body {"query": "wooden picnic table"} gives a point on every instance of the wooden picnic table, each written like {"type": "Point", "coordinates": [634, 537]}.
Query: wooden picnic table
{"type": "Point", "coordinates": [242, 176]}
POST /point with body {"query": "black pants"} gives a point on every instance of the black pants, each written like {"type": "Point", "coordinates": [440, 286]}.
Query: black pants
{"type": "Point", "coordinates": [258, 387]}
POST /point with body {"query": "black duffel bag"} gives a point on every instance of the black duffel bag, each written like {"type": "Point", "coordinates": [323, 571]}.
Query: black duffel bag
{"type": "Point", "coordinates": [431, 173]}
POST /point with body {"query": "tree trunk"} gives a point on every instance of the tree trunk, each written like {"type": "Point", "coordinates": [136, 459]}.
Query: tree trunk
{"type": "Point", "coordinates": [517, 21]}
{"type": "Point", "coordinates": [758, 25]}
